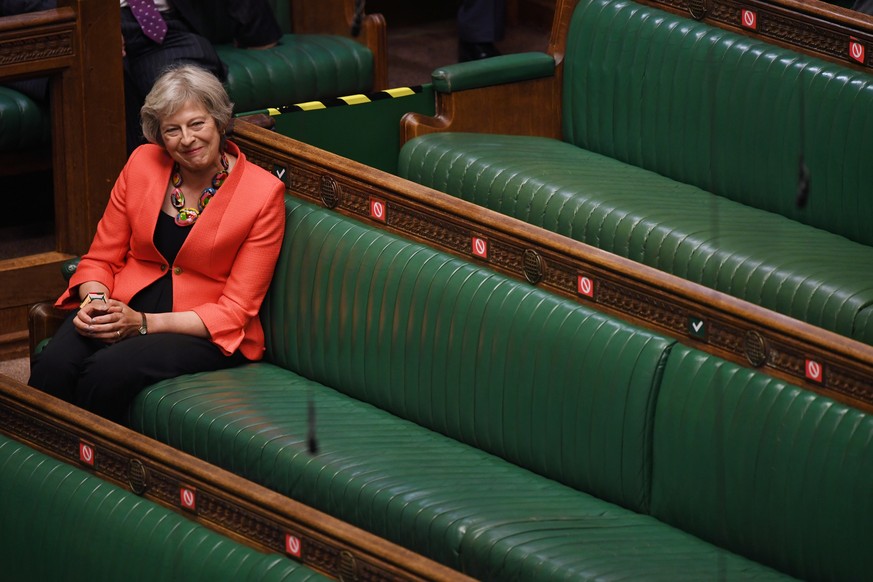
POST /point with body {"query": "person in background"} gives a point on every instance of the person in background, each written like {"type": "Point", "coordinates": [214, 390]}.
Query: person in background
{"type": "Point", "coordinates": [183, 255]}
{"type": "Point", "coordinates": [174, 33]}
{"type": "Point", "coordinates": [481, 23]}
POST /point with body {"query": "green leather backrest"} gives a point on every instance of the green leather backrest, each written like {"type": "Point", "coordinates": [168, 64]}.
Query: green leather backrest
{"type": "Point", "coordinates": [721, 111]}
{"type": "Point", "coordinates": [24, 124]}
{"type": "Point", "coordinates": [779, 474]}
{"type": "Point", "coordinates": [58, 522]}
{"type": "Point", "coordinates": [496, 363]}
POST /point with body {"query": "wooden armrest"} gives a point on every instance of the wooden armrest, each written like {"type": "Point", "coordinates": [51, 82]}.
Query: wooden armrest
{"type": "Point", "coordinates": [529, 107]}
{"type": "Point", "coordinates": [43, 320]}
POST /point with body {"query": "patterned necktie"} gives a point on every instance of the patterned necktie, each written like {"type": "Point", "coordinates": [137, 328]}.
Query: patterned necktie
{"type": "Point", "coordinates": [149, 18]}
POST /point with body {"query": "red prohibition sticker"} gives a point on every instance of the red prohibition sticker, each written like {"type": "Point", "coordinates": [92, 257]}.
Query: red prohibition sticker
{"type": "Point", "coordinates": [378, 210]}
{"type": "Point", "coordinates": [86, 453]}
{"type": "Point", "coordinates": [585, 286]}
{"type": "Point", "coordinates": [293, 547]}
{"type": "Point", "coordinates": [188, 498]}
{"type": "Point", "coordinates": [479, 247]}
{"type": "Point", "coordinates": [749, 19]}
{"type": "Point", "coordinates": [814, 371]}
{"type": "Point", "coordinates": [857, 51]}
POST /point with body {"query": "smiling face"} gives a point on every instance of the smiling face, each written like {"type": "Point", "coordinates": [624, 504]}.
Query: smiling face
{"type": "Point", "coordinates": [192, 138]}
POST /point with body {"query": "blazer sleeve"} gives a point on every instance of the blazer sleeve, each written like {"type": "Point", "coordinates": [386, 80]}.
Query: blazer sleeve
{"type": "Point", "coordinates": [228, 319]}
{"type": "Point", "coordinates": [109, 248]}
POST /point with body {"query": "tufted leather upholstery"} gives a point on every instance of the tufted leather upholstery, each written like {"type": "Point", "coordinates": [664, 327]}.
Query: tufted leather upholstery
{"type": "Point", "coordinates": [764, 468]}
{"type": "Point", "coordinates": [763, 257]}
{"type": "Point", "coordinates": [681, 151]}
{"type": "Point", "coordinates": [722, 112]}
{"type": "Point", "coordinates": [303, 67]}
{"type": "Point", "coordinates": [516, 435]}
{"type": "Point", "coordinates": [61, 523]}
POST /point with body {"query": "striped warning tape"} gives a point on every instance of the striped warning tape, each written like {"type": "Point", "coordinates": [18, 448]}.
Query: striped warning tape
{"type": "Point", "coordinates": [347, 100]}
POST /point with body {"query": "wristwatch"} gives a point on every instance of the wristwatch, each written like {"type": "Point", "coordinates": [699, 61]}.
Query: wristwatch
{"type": "Point", "coordinates": [144, 327]}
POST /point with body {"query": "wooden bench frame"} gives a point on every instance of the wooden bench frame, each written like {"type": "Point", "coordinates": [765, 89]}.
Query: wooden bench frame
{"type": "Point", "coordinates": [695, 315]}
{"type": "Point", "coordinates": [219, 500]}
{"type": "Point", "coordinates": [816, 28]}
{"type": "Point", "coordinates": [70, 45]}
{"type": "Point", "coordinates": [534, 107]}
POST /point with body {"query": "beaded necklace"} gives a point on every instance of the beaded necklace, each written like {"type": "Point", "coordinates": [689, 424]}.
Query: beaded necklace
{"type": "Point", "coordinates": [188, 216]}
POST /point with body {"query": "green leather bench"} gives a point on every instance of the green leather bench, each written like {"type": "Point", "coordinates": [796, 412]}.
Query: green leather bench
{"type": "Point", "coordinates": [62, 523]}
{"type": "Point", "coordinates": [515, 435]}
{"type": "Point", "coordinates": [680, 150]}
{"type": "Point", "coordinates": [303, 67]}
{"type": "Point", "coordinates": [24, 123]}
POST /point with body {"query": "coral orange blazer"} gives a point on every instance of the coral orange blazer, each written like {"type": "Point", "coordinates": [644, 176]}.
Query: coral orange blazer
{"type": "Point", "coordinates": [223, 269]}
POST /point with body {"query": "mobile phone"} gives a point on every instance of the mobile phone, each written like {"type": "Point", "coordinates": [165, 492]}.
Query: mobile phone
{"type": "Point", "coordinates": [91, 298]}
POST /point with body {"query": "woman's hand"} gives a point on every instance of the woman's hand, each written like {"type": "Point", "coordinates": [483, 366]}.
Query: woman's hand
{"type": "Point", "coordinates": [109, 321]}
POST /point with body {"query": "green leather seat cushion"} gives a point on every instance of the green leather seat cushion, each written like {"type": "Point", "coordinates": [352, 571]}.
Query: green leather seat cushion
{"type": "Point", "coordinates": [468, 416]}
{"type": "Point", "coordinates": [721, 111]}
{"type": "Point", "coordinates": [769, 470]}
{"type": "Point", "coordinates": [437, 496]}
{"type": "Point", "coordinates": [467, 352]}
{"type": "Point", "coordinates": [24, 124]}
{"type": "Point", "coordinates": [759, 256]}
{"type": "Point", "coordinates": [62, 523]}
{"type": "Point", "coordinates": [303, 67]}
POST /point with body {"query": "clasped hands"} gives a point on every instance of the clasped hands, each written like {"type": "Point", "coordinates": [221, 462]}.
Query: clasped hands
{"type": "Point", "coordinates": [107, 320]}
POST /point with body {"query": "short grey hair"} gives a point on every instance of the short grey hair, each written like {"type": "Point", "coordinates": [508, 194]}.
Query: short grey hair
{"type": "Point", "coordinates": [178, 85]}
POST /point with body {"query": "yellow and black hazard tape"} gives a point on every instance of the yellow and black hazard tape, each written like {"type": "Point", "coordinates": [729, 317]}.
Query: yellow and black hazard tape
{"type": "Point", "coordinates": [347, 100]}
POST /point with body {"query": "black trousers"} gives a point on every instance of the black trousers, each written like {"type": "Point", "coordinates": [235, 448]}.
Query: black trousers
{"type": "Point", "coordinates": [105, 378]}
{"type": "Point", "coordinates": [145, 60]}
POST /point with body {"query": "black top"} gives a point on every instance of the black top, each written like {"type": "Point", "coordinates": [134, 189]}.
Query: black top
{"type": "Point", "coordinates": [169, 238]}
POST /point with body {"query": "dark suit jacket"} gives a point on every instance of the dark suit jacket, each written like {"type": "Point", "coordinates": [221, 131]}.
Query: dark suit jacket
{"type": "Point", "coordinates": [254, 23]}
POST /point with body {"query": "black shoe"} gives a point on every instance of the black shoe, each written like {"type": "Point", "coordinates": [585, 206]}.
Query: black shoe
{"type": "Point", "coordinates": [473, 51]}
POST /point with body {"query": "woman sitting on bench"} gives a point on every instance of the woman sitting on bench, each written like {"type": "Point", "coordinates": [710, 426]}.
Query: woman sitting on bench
{"type": "Point", "coordinates": [170, 285]}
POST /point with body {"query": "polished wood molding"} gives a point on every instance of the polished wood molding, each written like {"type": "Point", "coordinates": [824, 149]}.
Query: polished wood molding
{"type": "Point", "coordinates": [816, 28]}
{"type": "Point", "coordinates": [695, 315]}
{"type": "Point", "coordinates": [69, 45]}
{"type": "Point", "coordinates": [534, 108]}
{"type": "Point", "coordinates": [219, 499]}
{"type": "Point", "coordinates": [525, 108]}
{"type": "Point", "coordinates": [531, 107]}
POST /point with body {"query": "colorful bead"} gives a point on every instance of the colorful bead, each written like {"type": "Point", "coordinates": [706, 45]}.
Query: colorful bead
{"type": "Point", "coordinates": [177, 199]}
{"type": "Point", "coordinates": [206, 196]}
{"type": "Point", "coordinates": [219, 179]}
{"type": "Point", "coordinates": [188, 216]}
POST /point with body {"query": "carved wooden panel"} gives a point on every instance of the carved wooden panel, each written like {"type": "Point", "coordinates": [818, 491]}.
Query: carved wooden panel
{"type": "Point", "coordinates": [791, 350]}
{"type": "Point", "coordinates": [816, 28]}
{"type": "Point", "coordinates": [207, 494]}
